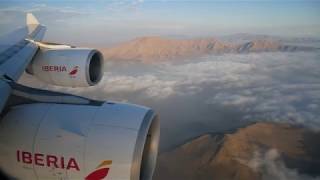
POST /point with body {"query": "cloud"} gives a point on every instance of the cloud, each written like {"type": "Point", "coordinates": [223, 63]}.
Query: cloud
{"type": "Point", "coordinates": [151, 85]}
{"type": "Point", "coordinates": [47, 12]}
{"type": "Point", "coordinates": [43, 8]}
{"type": "Point", "coordinates": [168, 80]}
{"type": "Point", "coordinates": [123, 5]}
{"type": "Point", "coordinates": [232, 100]}
{"type": "Point", "coordinates": [271, 166]}
{"type": "Point", "coordinates": [269, 86]}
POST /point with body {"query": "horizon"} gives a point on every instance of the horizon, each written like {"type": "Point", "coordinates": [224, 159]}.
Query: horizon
{"type": "Point", "coordinates": [103, 23]}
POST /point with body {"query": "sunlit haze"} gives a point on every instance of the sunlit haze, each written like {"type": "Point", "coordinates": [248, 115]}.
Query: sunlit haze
{"type": "Point", "coordinates": [108, 22]}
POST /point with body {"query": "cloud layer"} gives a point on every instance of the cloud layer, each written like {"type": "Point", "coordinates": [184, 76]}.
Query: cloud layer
{"type": "Point", "coordinates": [217, 93]}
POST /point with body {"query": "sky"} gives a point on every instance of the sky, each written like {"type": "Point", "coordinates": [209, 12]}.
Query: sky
{"type": "Point", "coordinates": [101, 23]}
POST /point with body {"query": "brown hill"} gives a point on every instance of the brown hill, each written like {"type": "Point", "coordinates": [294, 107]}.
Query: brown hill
{"type": "Point", "coordinates": [156, 48]}
{"type": "Point", "coordinates": [249, 153]}
{"type": "Point", "coordinates": [151, 49]}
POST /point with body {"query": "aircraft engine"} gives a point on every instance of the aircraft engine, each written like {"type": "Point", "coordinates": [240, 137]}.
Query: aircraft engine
{"type": "Point", "coordinates": [66, 141]}
{"type": "Point", "coordinates": [67, 66]}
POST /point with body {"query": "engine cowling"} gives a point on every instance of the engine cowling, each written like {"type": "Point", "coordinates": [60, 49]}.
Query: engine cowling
{"type": "Point", "coordinates": [63, 66]}
{"type": "Point", "coordinates": [63, 141]}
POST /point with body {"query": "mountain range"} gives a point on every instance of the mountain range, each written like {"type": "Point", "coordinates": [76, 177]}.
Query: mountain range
{"type": "Point", "coordinates": [153, 49]}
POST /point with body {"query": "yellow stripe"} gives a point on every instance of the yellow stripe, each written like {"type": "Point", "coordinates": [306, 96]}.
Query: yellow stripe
{"type": "Point", "coordinates": [104, 163]}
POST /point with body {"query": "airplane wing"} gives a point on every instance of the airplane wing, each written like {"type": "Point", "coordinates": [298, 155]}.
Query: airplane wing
{"type": "Point", "coordinates": [52, 135]}
{"type": "Point", "coordinates": [16, 52]}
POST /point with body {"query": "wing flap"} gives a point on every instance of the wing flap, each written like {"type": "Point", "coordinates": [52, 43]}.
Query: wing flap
{"type": "Point", "coordinates": [5, 90]}
{"type": "Point", "coordinates": [23, 94]}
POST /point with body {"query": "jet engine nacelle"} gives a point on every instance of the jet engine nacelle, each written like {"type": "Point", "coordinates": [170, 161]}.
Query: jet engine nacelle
{"type": "Point", "coordinates": [62, 141]}
{"type": "Point", "coordinates": [66, 66]}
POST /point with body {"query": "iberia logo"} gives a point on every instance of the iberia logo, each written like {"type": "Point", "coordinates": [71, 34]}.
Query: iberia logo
{"type": "Point", "coordinates": [74, 71]}
{"type": "Point", "coordinates": [101, 171]}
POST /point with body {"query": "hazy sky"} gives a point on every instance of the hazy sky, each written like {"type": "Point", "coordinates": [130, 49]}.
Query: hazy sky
{"type": "Point", "coordinates": [107, 22]}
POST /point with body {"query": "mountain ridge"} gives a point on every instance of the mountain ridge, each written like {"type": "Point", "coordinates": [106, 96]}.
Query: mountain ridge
{"type": "Point", "coordinates": [248, 153]}
{"type": "Point", "coordinates": [156, 48]}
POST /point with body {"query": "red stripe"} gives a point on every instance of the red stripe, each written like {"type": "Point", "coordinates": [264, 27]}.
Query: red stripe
{"type": "Point", "coordinates": [73, 72]}
{"type": "Point", "coordinates": [98, 174]}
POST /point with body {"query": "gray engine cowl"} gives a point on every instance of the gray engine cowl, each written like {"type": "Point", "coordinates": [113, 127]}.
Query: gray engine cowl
{"type": "Point", "coordinates": [73, 67]}
{"type": "Point", "coordinates": [66, 141]}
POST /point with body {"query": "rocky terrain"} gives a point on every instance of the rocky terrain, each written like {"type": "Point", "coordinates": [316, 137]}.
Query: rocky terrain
{"type": "Point", "coordinates": [151, 49]}
{"type": "Point", "coordinates": [259, 151]}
